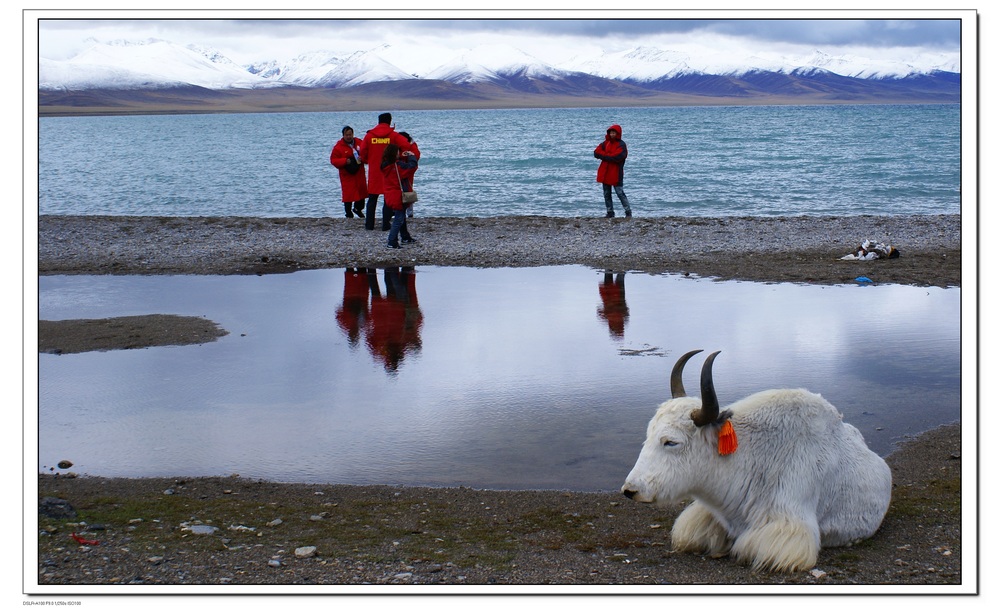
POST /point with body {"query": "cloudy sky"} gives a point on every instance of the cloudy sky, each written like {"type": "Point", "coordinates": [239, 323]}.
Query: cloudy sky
{"type": "Point", "coordinates": [557, 36]}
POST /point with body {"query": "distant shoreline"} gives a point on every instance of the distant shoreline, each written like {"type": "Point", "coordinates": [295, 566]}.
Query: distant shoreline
{"type": "Point", "coordinates": [84, 104]}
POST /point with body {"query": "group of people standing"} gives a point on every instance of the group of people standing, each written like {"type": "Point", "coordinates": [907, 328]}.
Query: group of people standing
{"type": "Point", "coordinates": [397, 156]}
{"type": "Point", "coordinates": [392, 158]}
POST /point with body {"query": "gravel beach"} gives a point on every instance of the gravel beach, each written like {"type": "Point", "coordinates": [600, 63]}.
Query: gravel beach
{"type": "Point", "coordinates": [778, 249]}
{"type": "Point", "coordinates": [143, 531]}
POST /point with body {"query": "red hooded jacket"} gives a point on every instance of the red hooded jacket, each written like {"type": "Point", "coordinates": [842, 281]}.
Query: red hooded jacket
{"type": "Point", "coordinates": [406, 167]}
{"type": "Point", "coordinates": [372, 146]}
{"type": "Point", "coordinates": [612, 153]}
{"type": "Point", "coordinates": [354, 186]}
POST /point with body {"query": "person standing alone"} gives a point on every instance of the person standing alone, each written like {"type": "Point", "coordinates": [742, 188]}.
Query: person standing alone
{"type": "Point", "coordinates": [611, 173]}
{"type": "Point", "coordinates": [372, 146]}
{"type": "Point", "coordinates": [346, 157]}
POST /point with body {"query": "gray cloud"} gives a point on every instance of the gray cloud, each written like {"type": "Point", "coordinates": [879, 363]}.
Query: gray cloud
{"type": "Point", "coordinates": [251, 39]}
{"type": "Point", "coordinates": [880, 33]}
{"type": "Point", "coordinates": [875, 32]}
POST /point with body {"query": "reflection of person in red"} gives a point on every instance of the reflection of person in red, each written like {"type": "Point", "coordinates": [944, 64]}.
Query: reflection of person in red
{"type": "Point", "coordinates": [353, 313]}
{"type": "Point", "coordinates": [613, 310]}
{"type": "Point", "coordinates": [393, 327]}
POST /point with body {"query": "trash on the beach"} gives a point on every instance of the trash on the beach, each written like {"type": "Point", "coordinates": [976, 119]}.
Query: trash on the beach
{"type": "Point", "coordinates": [863, 280]}
{"type": "Point", "coordinates": [870, 250]}
{"type": "Point", "coordinates": [241, 528]}
{"type": "Point", "coordinates": [79, 539]}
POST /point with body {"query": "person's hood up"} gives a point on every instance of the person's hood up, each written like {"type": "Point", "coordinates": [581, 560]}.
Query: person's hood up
{"type": "Point", "coordinates": [617, 128]}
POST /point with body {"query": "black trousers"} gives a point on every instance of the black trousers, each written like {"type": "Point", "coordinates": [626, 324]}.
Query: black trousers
{"type": "Point", "coordinates": [370, 213]}
{"type": "Point", "coordinates": [358, 209]}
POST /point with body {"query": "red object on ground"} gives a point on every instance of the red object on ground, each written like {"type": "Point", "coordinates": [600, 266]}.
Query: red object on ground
{"type": "Point", "coordinates": [83, 541]}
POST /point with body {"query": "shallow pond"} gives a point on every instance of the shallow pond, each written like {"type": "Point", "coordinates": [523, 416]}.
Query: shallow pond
{"type": "Point", "coordinates": [526, 378]}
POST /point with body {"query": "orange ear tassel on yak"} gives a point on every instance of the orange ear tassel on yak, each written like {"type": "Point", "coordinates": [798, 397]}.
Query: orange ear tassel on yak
{"type": "Point", "coordinates": [727, 438]}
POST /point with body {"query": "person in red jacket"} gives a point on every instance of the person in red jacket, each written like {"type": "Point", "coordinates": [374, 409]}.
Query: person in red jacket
{"type": "Point", "coordinates": [372, 146]}
{"type": "Point", "coordinates": [346, 157]}
{"type": "Point", "coordinates": [611, 173]}
{"type": "Point", "coordinates": [416, 151]}
{"type": "Point", "coordinates": [398, 168]}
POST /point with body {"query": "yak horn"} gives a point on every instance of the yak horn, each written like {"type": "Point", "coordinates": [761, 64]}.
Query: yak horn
{"type": "Point", "coordinates": [709, 411]}
{"type": "Point", "coordinates": [676, 380]}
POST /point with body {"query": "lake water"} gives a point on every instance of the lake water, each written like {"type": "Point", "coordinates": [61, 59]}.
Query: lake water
{"type": "Point", "coordinates": [540, 378]}
{"type": "Point", "coordinates": [508, 378]}
{"type": "Point", "coordinates": [690, 161]}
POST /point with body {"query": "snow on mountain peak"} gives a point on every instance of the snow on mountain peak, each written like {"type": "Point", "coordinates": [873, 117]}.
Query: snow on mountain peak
{"type": "Point", "coordinates": [640, 64]}
{"type": "Point", "coordinates": [327, 69]}
{"type": "Point", "coordinates": [126, 64]}
{"type": "Point", "coordinates": [491, 62]}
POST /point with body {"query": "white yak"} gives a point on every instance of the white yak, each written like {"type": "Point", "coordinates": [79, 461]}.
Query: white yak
{"type": "Point", "coordinates": [773, 477]}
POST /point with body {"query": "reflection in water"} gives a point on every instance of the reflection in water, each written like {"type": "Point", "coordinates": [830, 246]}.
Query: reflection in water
{"type": "Point", "coordinates": [509, 379]}
{"type": "Point", "coordinates": [392, 322]}
{"type": "Point", "coordinates": [613, 310]}
{"type": "Point", "coordinates": [353, 312]}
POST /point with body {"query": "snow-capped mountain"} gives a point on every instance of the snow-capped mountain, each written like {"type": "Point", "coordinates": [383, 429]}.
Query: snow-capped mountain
{"type": "Point", "coordinates": [159, 64]}
{"type": "Point", "coordinates": [637, 65]}
{"type": "Point", "coordinates": [327, 69]}
{"type": "Point", "coordinates": [867, 68]}
{"type": "Point", "coordinates": [145, 64]}
{"type": "Point", "coordinates": [494, 63]}
{"type": "Point", "coordinates": [647, 64]}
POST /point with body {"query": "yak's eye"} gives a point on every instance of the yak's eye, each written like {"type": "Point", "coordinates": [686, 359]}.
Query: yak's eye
{"type": "Point", "coordinates": [666, 442]}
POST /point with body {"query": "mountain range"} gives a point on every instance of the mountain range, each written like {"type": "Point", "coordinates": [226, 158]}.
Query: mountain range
{"type": "Point", "coordinates": [133, 73]}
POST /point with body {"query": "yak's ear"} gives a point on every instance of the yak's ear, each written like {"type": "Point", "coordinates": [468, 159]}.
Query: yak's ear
{"type": "Point", "coordinates": [727, 434]}
{"type": "Point", "coordinates": [727, 438]}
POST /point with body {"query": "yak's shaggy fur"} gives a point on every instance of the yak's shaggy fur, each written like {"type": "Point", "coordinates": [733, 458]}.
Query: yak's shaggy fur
{"type": "Point", "coordinates": [800, 479]}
